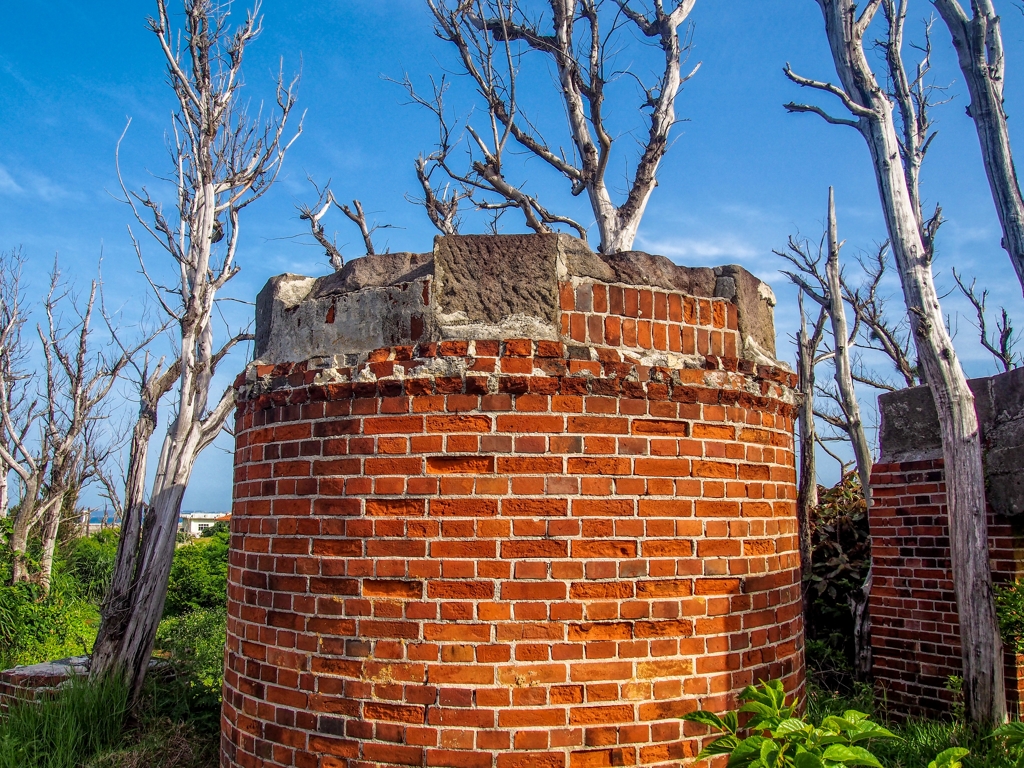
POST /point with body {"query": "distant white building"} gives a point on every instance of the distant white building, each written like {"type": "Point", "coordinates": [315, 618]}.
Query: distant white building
{"type": "Point", "coordinates": [194, 523]}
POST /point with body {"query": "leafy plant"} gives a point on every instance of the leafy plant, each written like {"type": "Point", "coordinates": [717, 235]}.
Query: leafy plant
{"type": "Point", "coordinates": [91, 561]}
{"type": "Point", "coordinates": [840, 558]}
{"type": "Point", "coordinates": [199, 576]}
{"type": "Point", "coordinates": [194, 645]}
{"type": "Point", "coordinates": [949, 758]}
{"type": "Point", "coordinates": [1010, 611]}
{"type": "Point", "coordinates": [787, 741]}
{"type": "Point", "coordinates": [1012, 736]}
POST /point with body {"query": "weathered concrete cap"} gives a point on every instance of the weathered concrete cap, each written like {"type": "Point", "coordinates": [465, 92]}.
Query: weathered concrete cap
{"type": "Point", "coordinates": [479, 287]}
{"type": "Point", "coordinates": [910, 432]}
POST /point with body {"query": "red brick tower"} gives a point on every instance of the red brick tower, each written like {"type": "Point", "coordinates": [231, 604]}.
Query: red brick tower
{"type": "Point", "coordinates": [507, 504]}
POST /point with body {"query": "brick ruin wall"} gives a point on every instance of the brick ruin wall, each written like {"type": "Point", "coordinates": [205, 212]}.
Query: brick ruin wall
{"type": "Point", "coordinates": [915, 639]}
{"type": "Point", "coordinates": [508, 551]}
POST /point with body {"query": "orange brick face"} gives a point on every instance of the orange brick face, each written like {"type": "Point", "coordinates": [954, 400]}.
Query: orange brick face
{"type": "Point", "coordinates": [543, 567]}
{"type": "Point", "coordinates": [915, 638]}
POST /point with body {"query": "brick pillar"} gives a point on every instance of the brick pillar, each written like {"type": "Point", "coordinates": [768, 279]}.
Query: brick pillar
{"type": "Point", "coordinates": [915, 635]}
{"type": "Point", "coordinates": [511, 552]}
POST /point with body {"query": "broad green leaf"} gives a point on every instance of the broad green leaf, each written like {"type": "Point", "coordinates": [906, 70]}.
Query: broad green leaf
{"type": "Point", "coordinates": [746, 752]}
{"type": "Point", "coordinates": [710, 719]}
{"type": "Point", "coordinates": [731, 720]}
{"type": "Point", "coordinates": [807, 760]}
{"type": "Point", "coordinates": [851, 756]}
{"type": "Point", "coordinates": [869, 730]}
{"type": "Point", "coordinates": [792, 725]}
{"type": "Point", "coordinates": [723, 745]}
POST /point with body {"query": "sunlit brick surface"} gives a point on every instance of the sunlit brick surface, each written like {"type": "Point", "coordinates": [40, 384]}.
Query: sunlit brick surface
{"type": "Point", "coordinates": [541, 561]}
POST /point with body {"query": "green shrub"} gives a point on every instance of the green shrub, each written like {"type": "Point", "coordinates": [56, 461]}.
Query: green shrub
{"type": "Point", "coordinates": [199, 576]}
{"type": "Point", "coordinates": [34, 628]}
{"type": "Point", "coordinates": [783, 740]}
{"type": "Point", "coordinates": [218, 527]}
{"type": "Point", "coordinates": [194, 645]}
{"type": "Point", "coordinates": [91, 562]}
{"type": "Point", "coordinates": [1010, 610]}
{"type": "Point", "coordinates": [79, 722]}
{"type": "Point", "coordinates": [840, 558]}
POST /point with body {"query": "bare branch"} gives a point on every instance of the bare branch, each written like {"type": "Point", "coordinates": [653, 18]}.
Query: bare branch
{"type": "Point", "coordinates": [1002, 349]}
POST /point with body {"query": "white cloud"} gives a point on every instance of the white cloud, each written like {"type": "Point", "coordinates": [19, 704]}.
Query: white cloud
{"type": "Point", "coordinates": [725, 246]}
{"type": "Point", "coordinates": [7, 183]}
{"type": "Point", "coordinates": [32, 184]}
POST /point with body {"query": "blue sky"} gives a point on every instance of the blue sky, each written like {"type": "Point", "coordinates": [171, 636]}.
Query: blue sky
{"type": "Point", "coordinates": [741, 176]}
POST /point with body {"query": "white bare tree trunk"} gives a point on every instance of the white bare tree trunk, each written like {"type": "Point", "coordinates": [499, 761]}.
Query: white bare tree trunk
{"type": "Point", "coordinates": [224, 162]}
{"type": "Point", "coordinates": [807, 492]}
{"type": "Point", "coordinates": [979, 47]}
{"type": "Point", "coordinates": [965, 486]}
{"type": "Point", "coordinates": [843, 368]}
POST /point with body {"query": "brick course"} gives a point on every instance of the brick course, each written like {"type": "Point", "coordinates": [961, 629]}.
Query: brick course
{"type": "Point", "coordinates": [516, 553]}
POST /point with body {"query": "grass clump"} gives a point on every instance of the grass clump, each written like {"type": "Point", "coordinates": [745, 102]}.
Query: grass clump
{"type": "Point", "coordinates": [63, 730]}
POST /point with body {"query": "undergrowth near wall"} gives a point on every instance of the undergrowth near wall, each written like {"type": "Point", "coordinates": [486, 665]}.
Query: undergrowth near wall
{"type": "Point", "coordinates": [176, 723]}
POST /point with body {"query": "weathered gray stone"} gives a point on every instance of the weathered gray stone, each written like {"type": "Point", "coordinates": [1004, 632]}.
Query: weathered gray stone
{"type": "Point", "coordinates": [910, 432]}
{"type": "Point", "coordinates": [478, 287]}
{"type": "Point", "coordinates": [377, 271]}
{"type": "Point", "coordinates": [485, 279]}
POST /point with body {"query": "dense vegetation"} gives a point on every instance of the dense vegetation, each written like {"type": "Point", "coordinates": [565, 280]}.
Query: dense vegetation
{"type": "Point", "coordinates": [176, 724]}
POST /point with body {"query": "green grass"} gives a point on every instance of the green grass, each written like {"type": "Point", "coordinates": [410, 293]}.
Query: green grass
{"type": "Point", "coordinates": [89, 725]}
{"type": "Point", "coordinates": [62, 731]}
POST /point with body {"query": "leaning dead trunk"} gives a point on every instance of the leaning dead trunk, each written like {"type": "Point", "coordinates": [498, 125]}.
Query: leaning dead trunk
{"type": "Point", "coordinates": [224, 162]}
{"type": "Point", "coordinates": [911, 244]}
{"type": "Point", "coordinates": [807, 491]}
{"type": "Point", "coordinates": [859, 440]}
{"type": "Point", "coordinates": [117, 606]}
{"type": "Point", "coordinates": [961, 444]}
{"type": "Point", "coordinates": [979, 47]}
{"type": "Point", "coordinates": [843, 367]}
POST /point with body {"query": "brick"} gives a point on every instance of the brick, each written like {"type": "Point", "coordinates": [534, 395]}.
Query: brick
{"type": "Point", "coordinates": [460, 465]}
{"type": "Point", "coordinates": [458, 423]}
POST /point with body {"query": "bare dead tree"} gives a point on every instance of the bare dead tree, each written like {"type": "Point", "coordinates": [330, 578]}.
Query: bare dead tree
{"type": "Point", "coordinates": [485, 183]}
{"type": "Point", "coordinates": [56, 449]}
{"type": "Point", "coordinates": [490, 37]}
{"type": "Point", "coordinates": [16, 410]}
{"type": "Point", "coordinates": [807, 344]}
{"type": "Point", "coordinates": [878, 331]}
{"type": "Point", "coordinates": [895, 153]}
{"type": "Point", "coordinates": [1002, 347]}
{"type": "Point", "coordinates": [828, 294]}
{"type": "Point", "coordinates": [978, 41]}
{"type": "Point", "coordinates": [224, 161]}
{"type": "Point", "coordinates": [315, 215]}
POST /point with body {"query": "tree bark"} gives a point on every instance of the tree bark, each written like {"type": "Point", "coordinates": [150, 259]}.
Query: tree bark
{"type": "Point", "coordinates": [961, 448]}
{"type": "Point", "coordinates": [807, 492]}
{"type": "Point", "coordinates": [979, 47]}
{"type": "Point", "coordinates": [117, 606]}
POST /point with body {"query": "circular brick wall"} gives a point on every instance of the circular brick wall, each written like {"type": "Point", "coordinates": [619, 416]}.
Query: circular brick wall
{"type": "Point", "coordinates": [494, 554]}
